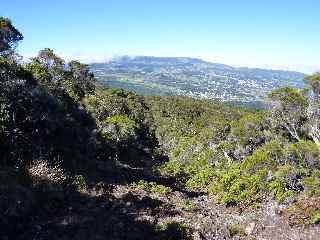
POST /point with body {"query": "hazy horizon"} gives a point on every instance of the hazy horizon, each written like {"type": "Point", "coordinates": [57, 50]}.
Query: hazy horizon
{"type": "Point", "coordinates": [101, 59]}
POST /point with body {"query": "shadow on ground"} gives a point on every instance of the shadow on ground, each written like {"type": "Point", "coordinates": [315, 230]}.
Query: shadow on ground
{"type": "Point", "coordinates": [49, 212]}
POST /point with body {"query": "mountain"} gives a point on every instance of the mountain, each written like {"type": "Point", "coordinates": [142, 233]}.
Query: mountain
{"type": "Point", "coordinates": [193, 77]}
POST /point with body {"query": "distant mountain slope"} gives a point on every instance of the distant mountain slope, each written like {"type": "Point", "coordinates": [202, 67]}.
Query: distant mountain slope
{"type": "Point", "coordinates": [193, 77]}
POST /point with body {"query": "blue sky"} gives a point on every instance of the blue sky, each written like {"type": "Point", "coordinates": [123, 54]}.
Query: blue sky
{"type": "Point", "coordinates": [272, 33]}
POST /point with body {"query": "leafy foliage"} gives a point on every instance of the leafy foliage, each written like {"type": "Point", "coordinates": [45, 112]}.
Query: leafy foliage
{"type": "Point", "coordinates": [152, 187]}
{"type": "Point", "coordinates": [79, 183]}
{"type": "Point", "coordinates": [304, 211]}
{"type": "Point", "coordinates": [9, 36]}
{"type": "Point", "coordinates": [289, 110]}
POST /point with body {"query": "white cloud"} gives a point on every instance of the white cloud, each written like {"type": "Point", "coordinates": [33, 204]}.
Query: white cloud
{"type": "Point", "coordinates": [87, 58]}
{"type": "Point", "coordinates": [82, 57]}
{"type": "Point", "coordinates": [244, 61]}
{"type": "Point", "coordinates": [251, 62]}
{"type": "Point", "coordinates": [309, 69]}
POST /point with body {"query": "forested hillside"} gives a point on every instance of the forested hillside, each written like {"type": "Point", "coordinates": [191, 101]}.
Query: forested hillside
{"type": "Point", "coordinates": [83, 161]}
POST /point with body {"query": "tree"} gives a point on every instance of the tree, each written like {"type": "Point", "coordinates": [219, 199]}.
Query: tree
{"type": "Point", "coordinates": [47, 67]}
{"type": "Point", "coordinates": [313, 123]}
{"type": "Point", "coordinates": [289, 110]}
{"type": "Point", "coordinates": [73, 78]}
{"type": "Point", "coordinates": [314, 82]}
{"type": "Point", "coordinates": [9, 36]}
{"type": "Point", "coordinates": [83, 80]}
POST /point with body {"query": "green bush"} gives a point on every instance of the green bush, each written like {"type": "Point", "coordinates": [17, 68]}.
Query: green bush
{"type": "Point", "coordinates": [119, 128]}
{"type": "Point", "coordinates": [79, 183]}
{"type": "Point", "coordinates": [152, 187]}
{"type": "Point", "coordinates": [249, 129]}
{"type": "Point", "coordinates": [236, 229]}
{"type": "Point", "coordinates": [201, 179]}
{"type": "Point", "coordinates": [279, 190]}
{"type": "Point", "coordinates": [268, 155]}
{"type": "Point", "coordinates": [305, 153]}
{"type": "Point", "coordinates": [172, 230]}
{"type": "Point", "coordinates": [312, 183]}
{"type": "Point", "coordinates": [172, 167]}
{"type": "Point", "coordinates": [188, 205]}
{"type": "Point", "coordinates": [303, 212]}
{"type": "Point", "coordinates": [233, 185]}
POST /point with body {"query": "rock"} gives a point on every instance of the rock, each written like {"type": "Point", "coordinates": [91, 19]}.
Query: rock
{"type": "Point", "coordinates": [249, 228]}
{"type": "Point", "coordinates": [269, 176]}
{"type": "Point", "coordinates": [289, 200]}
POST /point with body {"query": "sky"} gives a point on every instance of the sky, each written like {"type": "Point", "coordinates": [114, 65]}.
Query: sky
{"type": "Point", "coordinates": [272, 33]}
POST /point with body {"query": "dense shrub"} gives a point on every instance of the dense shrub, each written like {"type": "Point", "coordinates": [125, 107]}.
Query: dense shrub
{"type": "Point", "coordinates": [306, 154]}
{"type": "Point", "coordinates": [305, 211]}
{"type": "Point", "coordinates": [152, 187]}
{"type": "Point", "coordinates": [119, 128]}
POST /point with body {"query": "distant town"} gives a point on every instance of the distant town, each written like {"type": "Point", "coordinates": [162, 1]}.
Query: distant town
{"type": "Point", "coordinates": [193, 77]}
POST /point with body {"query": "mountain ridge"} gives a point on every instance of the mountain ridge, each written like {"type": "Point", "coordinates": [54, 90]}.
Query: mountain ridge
{"type": "Point", "coordinates": [191, 59]}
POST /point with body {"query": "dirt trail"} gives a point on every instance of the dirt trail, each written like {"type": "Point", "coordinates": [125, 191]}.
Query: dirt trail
{"type": "Point", "coordinates": [122, 210]}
